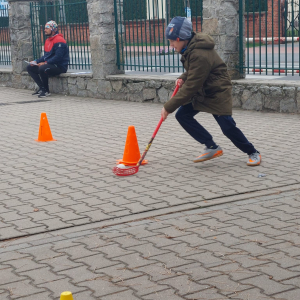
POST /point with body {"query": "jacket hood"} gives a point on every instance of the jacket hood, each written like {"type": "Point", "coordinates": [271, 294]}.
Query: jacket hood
{"type": "Point", "coordinates": [53, 37]}
{"type": "Point", "coordinates": [201, 41]}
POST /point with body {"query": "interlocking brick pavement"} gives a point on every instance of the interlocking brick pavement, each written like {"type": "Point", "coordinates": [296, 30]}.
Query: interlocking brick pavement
{"type": "Point", "coordinates": [201, 253]}
{"type": "Point", "coordinates": [56, 185]}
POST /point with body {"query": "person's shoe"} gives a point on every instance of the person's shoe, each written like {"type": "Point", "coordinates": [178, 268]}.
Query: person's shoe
{"type": "Point", "coordinates": [38, 92]}
{"type": "Point", "coordinates": [254, 159]}
{"type": "Point", "coordinates": [44, 94]}
{"type": "Point", "coordinates": [209, 154]}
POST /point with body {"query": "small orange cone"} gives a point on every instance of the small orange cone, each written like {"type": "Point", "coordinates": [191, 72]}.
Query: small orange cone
{"type": "Point", "coordinates": [132, 153]}
{"type": "Point", "coordinates": [66, 296]}
{"type": "Point", "coordinates": [45, 134]}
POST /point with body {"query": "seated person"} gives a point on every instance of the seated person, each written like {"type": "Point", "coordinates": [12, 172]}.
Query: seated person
{"type": "Point", "coordinates": [54, 62]}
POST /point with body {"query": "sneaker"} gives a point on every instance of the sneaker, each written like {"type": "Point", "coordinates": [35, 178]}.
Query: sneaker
{"type": "Point", "coordinates": [254, 159]}
{"type": "Point", "coordinates": [209, 154]}
{"type": "Point", "coordinates": [37, 92]}
{"type": "Point", "coordinates": [44, 94]}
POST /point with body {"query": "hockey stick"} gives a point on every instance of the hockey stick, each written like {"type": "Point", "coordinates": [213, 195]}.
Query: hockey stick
{"type": "Point", "coordinates": [133, 170]}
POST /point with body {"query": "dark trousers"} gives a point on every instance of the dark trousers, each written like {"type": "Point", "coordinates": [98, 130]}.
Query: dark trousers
{"type": "Point", "coordinates": [185, 116]}
{"type": "Point", "coordinates": [41, 74]}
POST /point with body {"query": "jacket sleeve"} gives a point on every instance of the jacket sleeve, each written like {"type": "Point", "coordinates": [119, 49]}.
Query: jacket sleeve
{"type": "Point", "coordinates": [199, 69]}
{"type": "Point", "coordinates": [60, 50]}
{"type": "Point", "coordinates": [42, 59]}
{"type": "Point", "coordinates": [183, 76]}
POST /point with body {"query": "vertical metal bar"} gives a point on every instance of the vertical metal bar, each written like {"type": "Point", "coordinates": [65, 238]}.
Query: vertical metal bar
{"type": "Point", "coordinates": [158, 29]}
{"type": "Point", "coordinates": [272, 37]}
{"type": "Point", "coordinates": [129, 36]}
{"type": "Point", "coordinates": [154, 36]}
{"type": "Point", "coordinates": [122, 41]}
{"type": "Point", "coordinates": [125, 37]}
{"type": "Point", "coordinates": [163, 29]}
{"type": "Point", "coordinates": [259, 20]}
{"type": "Point", "coordinates": [117, 34]}
{"type": "Point", "coordinates": [279, 35]}
{"type": "Point", "coordinates": [285, 25]}
{"type": "Point", "coordinates": [150, 39]}
{"type": "Point", "coordinates": [241, 36]}
{"type": "Point", "coordinates": [298, 43]}
{"type": "Point", "coordinates": [137, 35]}
{"type": "Point", "coordinates": [146, 35]}
{"type": "Point", "coordinates": [247, 35]}
{"type": "Point", "coordinates": [253, 34]}
{"type": "Point", "coordinates": [293, 17]}
{"type": "Point", "coordinates": [266, 34]}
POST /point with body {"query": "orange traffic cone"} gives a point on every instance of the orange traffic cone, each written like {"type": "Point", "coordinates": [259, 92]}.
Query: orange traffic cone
{"type": "Point", "coordinates": [132, 153]}
{"type": "Point", "coordinates": [45, 134]}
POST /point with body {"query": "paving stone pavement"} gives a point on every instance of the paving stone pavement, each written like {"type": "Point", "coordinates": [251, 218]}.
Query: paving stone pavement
{"type": "Point", "coordinates": [67, 183]}
{"type": "Point", "coordinates": [249, 249]}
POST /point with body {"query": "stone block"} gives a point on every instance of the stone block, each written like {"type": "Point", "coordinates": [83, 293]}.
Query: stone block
{"type": "Point", "coordinates": [72, 80]}
{"type": "Point", "coordinates": [73, 90]}
{"type": "Point", "coordinates": [264, 90]}
{"type": "Point", "coordinates": [135, 86]}
{"type": "Point", "coordinates": [104, 86]}
{"type": "Point", "coordinates": [163, 95]}
{"type": "Point", "coordinates": [153, 84]}
{"type": "Point", "coordinates": [116, 85]}
{"type": "Point", "coordinates": [82, 93]}
{"type": "Point", "coordinates": [92, 87]}
{"type": "Point", "coordinates": [272, 103]}
{"type": "Point", "coordinates": [289, 92]}
{"type": "Point", "coordinates": [288, 105]}
{"type": "Point", "coordinates": [149, 94]}
{"type": "Point", "coordinates": [298, 99]}
{"type": "Point", "coordinates": [252, 100]}
{"type": "Point", "coordinates": [81, 83]}
{"type": "Point", "coordinates": [210, 26]}
{"type": "Point", "coordinates": [136, 97]}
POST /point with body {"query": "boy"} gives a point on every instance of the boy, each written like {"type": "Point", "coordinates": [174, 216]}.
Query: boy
{"type": "Point", "coordinates": [54, 62]}
{"type": "Point", "coordinates": [204, 86]}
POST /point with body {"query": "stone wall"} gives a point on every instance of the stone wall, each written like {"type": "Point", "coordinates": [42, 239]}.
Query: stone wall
{"type": "Point", "coordinates": [260, 95]}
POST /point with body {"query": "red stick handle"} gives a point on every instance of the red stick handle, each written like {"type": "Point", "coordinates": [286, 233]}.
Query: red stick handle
{"type": "Point", "coordinates": [161, 119]}
{"type": "Point", "coordinates": [155, 132]}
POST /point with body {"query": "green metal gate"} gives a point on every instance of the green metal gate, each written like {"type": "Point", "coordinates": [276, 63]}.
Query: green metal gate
{"type": "Point", "coordinates": [140, 27]}
{"type": "Point", "coordinates": [5, 52]}
{"type": "Point", "coordinates": [72, 19]}
{"type": "Point", "coordinates": [271, 37]}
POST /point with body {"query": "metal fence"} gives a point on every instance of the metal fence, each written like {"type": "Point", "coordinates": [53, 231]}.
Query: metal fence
{"type": "Point", "coordinates": [72, 19]}
{"type": "Point", "coordinates": [140, 27]}
{"type": "Point", "coordinates": [271, 37]}
{"type": "Point", "coordinates": [5, 52]}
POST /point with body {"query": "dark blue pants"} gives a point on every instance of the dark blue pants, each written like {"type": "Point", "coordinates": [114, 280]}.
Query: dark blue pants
{"type": "Point", "coordinates": [185, 116]}
{"type": "Point", "coordinates": [41, 74]}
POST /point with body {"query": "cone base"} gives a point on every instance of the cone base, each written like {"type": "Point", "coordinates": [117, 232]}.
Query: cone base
{"type": "Point", "coordinates": [126, 163]}
{"type": "Point", "coordinates": [45, 141]}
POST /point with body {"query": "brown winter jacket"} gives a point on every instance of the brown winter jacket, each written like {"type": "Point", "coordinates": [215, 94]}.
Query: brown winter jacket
{"type": "Point", "coordinates": [206, 81]}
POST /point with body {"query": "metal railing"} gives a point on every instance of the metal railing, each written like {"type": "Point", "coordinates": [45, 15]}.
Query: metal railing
{"type": "Point", "coordinates": [140, 27]}
{"type": "Point", "coordinates": [72, 19]}
{"type": "Point", "coordinates": [5, 51]}
{"type": "Point", "coordinates": [271, 37]}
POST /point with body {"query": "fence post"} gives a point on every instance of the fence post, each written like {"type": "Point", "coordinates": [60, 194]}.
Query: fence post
{"type": "Point", "coordinates": [221, 21]}
{"type": "Point", "coordinates": [102, 38]}
{"type": "Point", "coordinates": [20, 35]}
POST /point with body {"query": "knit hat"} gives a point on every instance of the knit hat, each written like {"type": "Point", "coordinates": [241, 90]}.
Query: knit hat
{"type": "Point", "coordinates": [179, 27]}
{"type": "Point", "coordinates": [52, 25]}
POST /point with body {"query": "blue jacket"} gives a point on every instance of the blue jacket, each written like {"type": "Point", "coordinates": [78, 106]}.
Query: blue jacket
{"type": "Point", "coordinates": [56, 52]}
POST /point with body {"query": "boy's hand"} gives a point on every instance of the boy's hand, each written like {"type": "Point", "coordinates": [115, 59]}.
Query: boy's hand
{"type": "Point", "coordinates": [179, 82]}
{"type": "Point", "coordinates": [164, 114]}
{"type": "Point", "coordinates": [41, 64]}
